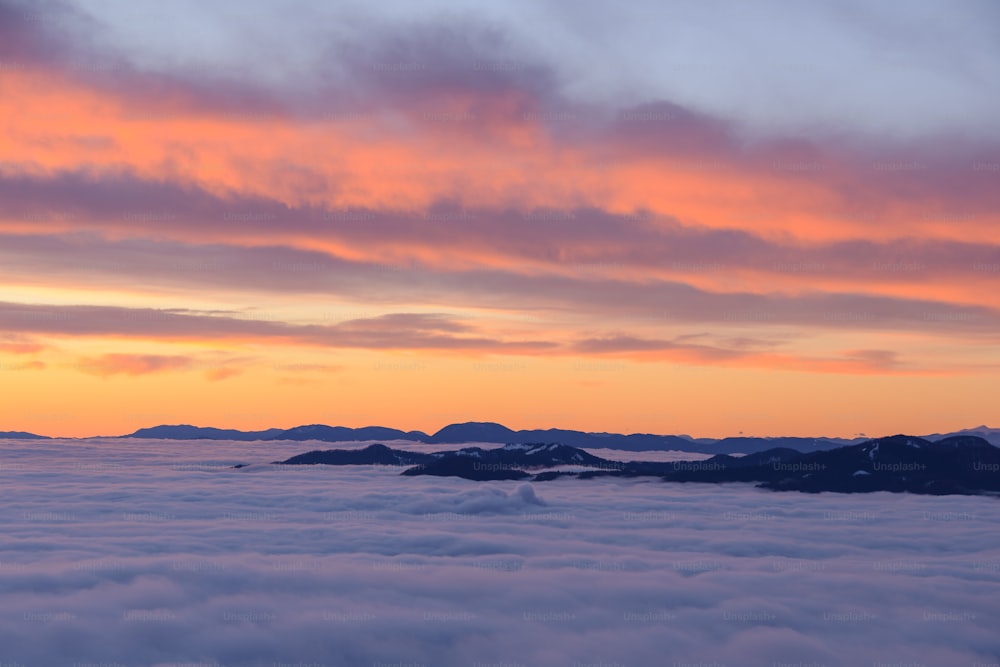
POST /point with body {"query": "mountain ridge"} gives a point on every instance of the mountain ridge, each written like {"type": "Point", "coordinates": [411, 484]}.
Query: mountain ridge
{"type": "Point", "coordinates": [22, 435]}
{"type": "Point", "coordinates": [955, 465]}
{"type": "Point", "coordinates": [494, 433]}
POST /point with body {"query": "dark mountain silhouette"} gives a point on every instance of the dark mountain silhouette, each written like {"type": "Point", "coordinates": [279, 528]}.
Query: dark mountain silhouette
{"type": "Point", "coordinates": [188, 432]}
{"type": "Point", "coordinates": [469, 462]}
{"type": "Point", "coordinates": [492, 433]}
{"type": "Point", "coordinates": [534, 455]}
{"type": "Point", "coordinates": [319, 432]}
{"type": "Point", "coordinates": [345, 434]}
{"type": "Point", "coordinates": [22, 435]}
{"type": "Point", "coordinates": [965, 441]}
{"type": "Point", "coordinates": [473, 432]}
{"type": "Point", "coordinates": [953, 465]}
{"type": "Point", "coordinates": [743, 444]}
{"type": "Point", "coordinates": [488, 432]}
{"type": "Point", "coordinates": [900, 463]}
{"type": "Point", "coordinates": [991, 435]}
{"type": "Point", "coordinates": [636, 442]}
{"type": "Point", "coordinates": [512, 461]}
{"type": "Point", "coordinates": [377, 454]}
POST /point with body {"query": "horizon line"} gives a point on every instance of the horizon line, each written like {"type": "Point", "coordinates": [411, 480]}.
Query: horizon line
{"type": "Point", "coordinates": [740, 434]}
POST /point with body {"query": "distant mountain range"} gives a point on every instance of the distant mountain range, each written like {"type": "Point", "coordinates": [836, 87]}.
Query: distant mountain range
{"type": "Point", "coordinates": [21, 435]}
{"type": "Point", "coordinates": [962, 464]}
{"type": "Point", "coordinates": [508, 462]}
{"type": "Point", "coordinates": [489, 432]}
{"type": "Point", "coordinates": [310, 432]}
{"type": "Point", "coordinates": [492, 433]}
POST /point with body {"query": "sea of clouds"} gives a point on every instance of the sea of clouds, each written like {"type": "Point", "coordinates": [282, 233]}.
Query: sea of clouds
{"type": "Point", "coordinates": [120, 552]}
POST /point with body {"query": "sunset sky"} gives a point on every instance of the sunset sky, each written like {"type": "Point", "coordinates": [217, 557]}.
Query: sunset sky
{"type": "Point", "coordinates": [702, 217]}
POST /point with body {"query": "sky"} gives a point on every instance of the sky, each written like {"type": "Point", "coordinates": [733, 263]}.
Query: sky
{"type": "Point", "coordinates": [689, 217]}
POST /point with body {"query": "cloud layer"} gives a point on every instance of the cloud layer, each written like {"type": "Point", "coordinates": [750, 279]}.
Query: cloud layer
{"type": "Point", "coordinates": [155, 553]}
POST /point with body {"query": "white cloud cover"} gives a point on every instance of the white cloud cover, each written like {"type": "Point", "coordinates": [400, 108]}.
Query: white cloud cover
{"type": "Point", "coordinates": [134, 552]}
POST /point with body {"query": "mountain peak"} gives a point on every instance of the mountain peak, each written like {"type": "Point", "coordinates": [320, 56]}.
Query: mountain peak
{"type": "Point", "coordinates": [473, 432]}
{"type": "Point", "coordinates": [22, 435]}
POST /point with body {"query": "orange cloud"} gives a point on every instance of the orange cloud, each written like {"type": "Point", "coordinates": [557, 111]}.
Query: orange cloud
{"type": "Point", "coordinates": [17, 344]}
{"type": "Point", "coordinates": [500, 160]}
{"type": "Point", "coordinates": [248, 194]}
{"type": "Point", "coordinates": [132, 364]}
